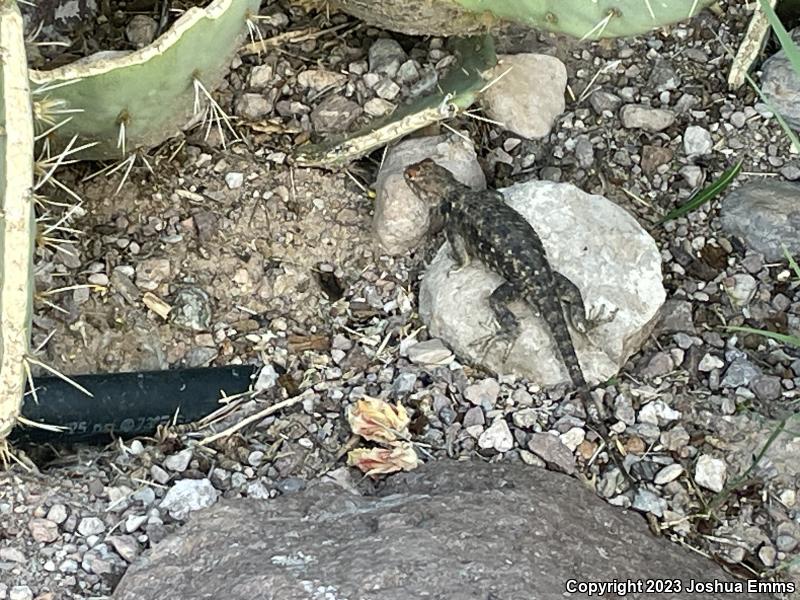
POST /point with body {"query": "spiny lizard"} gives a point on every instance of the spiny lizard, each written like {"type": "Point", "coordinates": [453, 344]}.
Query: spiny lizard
{"type": "Point", "coordinates": [482, 226]}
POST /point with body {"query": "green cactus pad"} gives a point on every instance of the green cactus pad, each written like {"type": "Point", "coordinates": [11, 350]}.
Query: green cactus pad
{"type": "Point", "coordinates": [590, 18]}
{"type": "Point", "coordinates": [458, 90]}
{"type": "Point", "coordinates": [17, 218]}
{"type": "Point", "coordinates": [578, 18]}
{"type": "Point", "coordinates": [148, 93]}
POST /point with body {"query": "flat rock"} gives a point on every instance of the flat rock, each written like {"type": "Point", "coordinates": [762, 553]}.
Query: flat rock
{"type": "Point", "coordinates": [519, 532]}
{"type": "Point", "coordinates": [765, 214]}
{"type": "Point", "coordinates": [591, 241]}
{"type": "Point", "coordinates": [401, 219]}
{"type": "Point", "coordinates": [635, 116]}
{"type": "Point", "coordinates": [530, 96]}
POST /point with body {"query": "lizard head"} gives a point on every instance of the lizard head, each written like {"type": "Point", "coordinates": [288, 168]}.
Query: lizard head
{"type": "Point", "coordinates": [429, 181]}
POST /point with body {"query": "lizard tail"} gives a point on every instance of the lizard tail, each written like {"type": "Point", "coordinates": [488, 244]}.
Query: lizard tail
{"type": "Point", "coordinates": [554, 316]}
{"type": "Point", "coordinates": [570, 359]}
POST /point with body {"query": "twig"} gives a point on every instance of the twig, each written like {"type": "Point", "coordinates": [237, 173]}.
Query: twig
{"type": "Point", "coordinates": [253, 418]}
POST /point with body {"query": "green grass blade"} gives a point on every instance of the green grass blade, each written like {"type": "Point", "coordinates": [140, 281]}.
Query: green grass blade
{"type": "Point", "coordinates": [786, 41]}
{"type": "Point", "coordinates": [792, 262]}
{"type": "Point", "coordinates": [791, 340]}
{"type": "Point", "coordinates": [706, 194]}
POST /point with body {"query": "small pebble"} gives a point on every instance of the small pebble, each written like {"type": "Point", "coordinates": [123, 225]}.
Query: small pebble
{"type": "Point", "coordinates": [710, 473]}
{"type": "Point", "coordinates": [234, 180]}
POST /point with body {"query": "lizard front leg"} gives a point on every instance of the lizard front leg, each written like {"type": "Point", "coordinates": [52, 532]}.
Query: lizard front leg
{"type": "Point", "coordinates": [458, 250]}
{"type": "Point", "coordinates": [507, 322]}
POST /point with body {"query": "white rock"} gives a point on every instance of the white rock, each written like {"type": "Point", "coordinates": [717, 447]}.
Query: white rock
{"type": "Point", "coordinates": [57, 513]}
{"type": "Point", "coordinates": [234, 180]}
{"type": "Point", "coordinates": [710, 473]}
{"type": "Point", "coordinates": [179, 462]}
{"type": "Point", "coordinates": [319, 79]}
{"type": "Point", "coordinates": [261, 76]}
{"type": "Point", "coordinates": [692, 174]}
{"type": "Point", "coordinates": [497, 436]}
{"type": "Point", "coordinates": [573, 438]}
{"type": "Point", "coordinates": [667, 474]}
{"type": "Point", "coordinates": [401, 219]}
{"type": "Point", "coordinates": [526, 418]}
{"type": "Point", "coordinates": [697, 141]}
{"type": "Point", "coordinates": [591, 241]}
{"type": "Point", "coordinates": [188, 495]}
{"type": "Point", "coordinates": [20, 592]}
{"type": "Point", "coordinates": [528, 99]}
{"type": "Point", "coordinates": [658, 412]}
{"type": "Point", "coordinates": [709, 362]}
{"type": "Point", "coordinates": [133, 522]}
{"type": "Point", "coordinates": [91, 526]}
{"type": "Point", "coordinates": [740, 288]}
{"type": "Point", "coordinates": [378, 107]}
{"type": "Point", "coordinates": [485, 391]}
{"type": "Point", "coordinates": [767, 555]}
{"type": "Point", "coordinates": [267, 378]}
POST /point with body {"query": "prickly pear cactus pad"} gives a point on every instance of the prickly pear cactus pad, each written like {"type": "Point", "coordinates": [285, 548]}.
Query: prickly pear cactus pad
{"type": "Point", "coordinates": [139, 99]}
{"type": "Point", "coordinates": [590, 18]}
{"type": "Point", "coordinates": [17, 226]}
{"type": "Point", "coordinates": [578, 18]}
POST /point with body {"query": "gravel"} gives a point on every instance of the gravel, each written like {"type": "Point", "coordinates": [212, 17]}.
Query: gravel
{"type": "Point", "coordinates": [281, 270]}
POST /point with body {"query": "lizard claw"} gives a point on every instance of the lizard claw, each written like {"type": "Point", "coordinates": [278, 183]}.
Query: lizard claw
{"type": "Point", "coordinates": [600, 316]}
{"type": "Point", "coordinates": [456, 269]}
{"type": "Point", "coordinates": [485, 343]}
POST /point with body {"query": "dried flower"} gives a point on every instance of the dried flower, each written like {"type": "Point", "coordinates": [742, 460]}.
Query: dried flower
{"type": "Point", "coordinates": [378, 421]}
{"type": "Point", "coordinates": [378, 461]}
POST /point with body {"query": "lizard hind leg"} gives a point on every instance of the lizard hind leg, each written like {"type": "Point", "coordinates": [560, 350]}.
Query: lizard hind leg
{"type": "Point", "coordinates": [600, 316]}
{"type": "Point", "coordinates": [575, 311]}
{"type": "Point", "coordinates": [572, 302]}
{"type": "Point", "coordinates": [505, 319]}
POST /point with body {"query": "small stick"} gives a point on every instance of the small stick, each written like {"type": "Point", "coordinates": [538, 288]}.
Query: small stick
{"type": "Point", "coordinates": [253, 418]}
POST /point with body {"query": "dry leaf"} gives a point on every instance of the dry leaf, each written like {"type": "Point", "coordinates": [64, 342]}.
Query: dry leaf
{"type": "Point", "coordinates": [377, 461]}
{"type": "Point", "coordinates": [378, 421]}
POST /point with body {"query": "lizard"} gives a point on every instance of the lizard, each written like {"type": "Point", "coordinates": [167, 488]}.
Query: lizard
{"type": "Point", "coordinates": [480, 225]}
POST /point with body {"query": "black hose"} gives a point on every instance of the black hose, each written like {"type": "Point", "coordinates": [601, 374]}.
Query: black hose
{"type": "Point", "coordinates": [126, 404]}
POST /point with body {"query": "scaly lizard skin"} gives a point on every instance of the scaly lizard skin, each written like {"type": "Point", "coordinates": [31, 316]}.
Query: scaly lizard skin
{"type": "Point", "coordinates": [480, 225]}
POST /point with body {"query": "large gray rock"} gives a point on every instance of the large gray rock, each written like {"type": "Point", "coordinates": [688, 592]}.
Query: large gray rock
{"type": "Point", "coordinates": [780, 83]}
{"type": "Point", "coordinates": [401, 219]}
{"type": "Point", "coordinates": [765, 214]}
{"type": "Point", "coordinates": [596, 245]}
{"type": "Point", "coordinates": [451, 531]}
